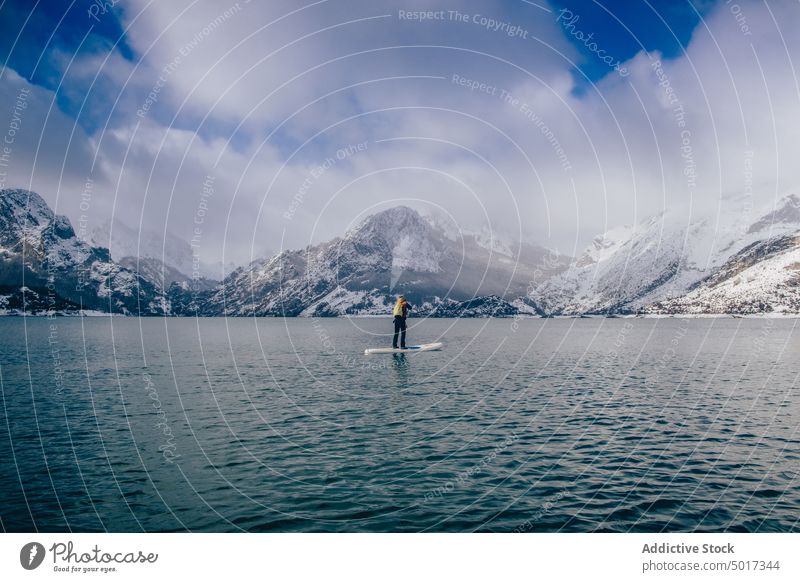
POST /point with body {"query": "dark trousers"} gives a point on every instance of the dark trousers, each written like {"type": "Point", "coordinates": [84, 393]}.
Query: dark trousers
{"type": "Point", "coordinates": [399, 328]}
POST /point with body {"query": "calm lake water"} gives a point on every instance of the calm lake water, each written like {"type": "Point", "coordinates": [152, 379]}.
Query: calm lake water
{"type": "Point", "coordinates": [284, 425]}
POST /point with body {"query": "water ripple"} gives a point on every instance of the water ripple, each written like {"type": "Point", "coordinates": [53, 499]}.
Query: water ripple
{"type": "Point", "coordinates": [196, 428]}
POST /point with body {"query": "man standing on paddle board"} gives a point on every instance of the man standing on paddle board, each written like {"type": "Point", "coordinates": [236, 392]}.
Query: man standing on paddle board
{"type": "Point", "coordinates": [400, 313]}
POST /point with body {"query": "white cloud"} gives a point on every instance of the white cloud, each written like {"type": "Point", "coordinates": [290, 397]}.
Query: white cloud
{"type": "Point", "coordinates": [573, 163]}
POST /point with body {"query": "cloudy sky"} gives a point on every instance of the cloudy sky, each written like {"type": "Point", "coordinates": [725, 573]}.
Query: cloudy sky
{"type": "Point", "coordinates": [256, 125]}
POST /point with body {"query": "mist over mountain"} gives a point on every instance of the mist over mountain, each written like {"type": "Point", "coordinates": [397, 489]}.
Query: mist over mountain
{"type": "Point", "coordinates": [151, 248]}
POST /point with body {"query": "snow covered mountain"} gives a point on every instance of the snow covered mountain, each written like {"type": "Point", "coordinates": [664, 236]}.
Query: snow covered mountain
{"type": "Point", "coordinates": [44, 267]}
{"type": "Point", "coordinates": [394, 251]}
{"type": "Point", "coordinates": [721, 262]}
{"type": "Point", "coordinates": [764, 277]}
{"type": "Point", "coordinates": [733, 260]}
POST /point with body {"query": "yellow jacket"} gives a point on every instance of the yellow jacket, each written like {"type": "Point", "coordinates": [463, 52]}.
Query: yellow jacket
{"type": "Point", "coordinates": [398, 310]}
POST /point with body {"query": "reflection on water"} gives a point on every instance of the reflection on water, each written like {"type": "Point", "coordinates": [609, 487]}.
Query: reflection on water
{"type": "Point", "coordinates": [283, 425]}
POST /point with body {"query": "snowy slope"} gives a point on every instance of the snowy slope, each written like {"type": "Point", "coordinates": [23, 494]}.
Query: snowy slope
{"type": "Point", "coordinates": [762, 278]}
{"type": "Point", "coordinates": [663, 257]}
{"type": "Point", "coordinates": [45, 267]}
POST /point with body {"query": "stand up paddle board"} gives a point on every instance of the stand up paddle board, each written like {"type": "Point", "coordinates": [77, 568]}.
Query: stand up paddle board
{"type": "Point", "coordinates": [420, 348]}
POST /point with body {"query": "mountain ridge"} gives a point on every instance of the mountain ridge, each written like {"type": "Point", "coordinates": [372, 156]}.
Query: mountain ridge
{"type": "Point", "coordinates": [393, 251]}
{"type": "Point", "coordinates": [734, 262]}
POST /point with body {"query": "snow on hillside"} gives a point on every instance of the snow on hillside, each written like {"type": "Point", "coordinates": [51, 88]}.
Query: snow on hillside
{"type": "Point", "coordinates": [45, 267]}
{"type": "Point", "coordinates": [390, 252]}
{"type": "Point", "coordinates": [731, 259]}
{"type": "Point", "coordinates": [662, 257]}
{"type": "Point", "coordinates": [762, 278]}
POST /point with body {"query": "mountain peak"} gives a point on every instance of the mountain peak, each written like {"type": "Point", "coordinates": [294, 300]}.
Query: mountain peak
{"type": "Point", "coordinates": [22, 213]}
{"type": "Point", "coordinates": [390, 224]}
{"type": "Point", "coordinates": [786, 211]}
{"type": "Point", "coordinates": [25, 200]}
{"type": "Point", "coordinates": [394, 214]}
